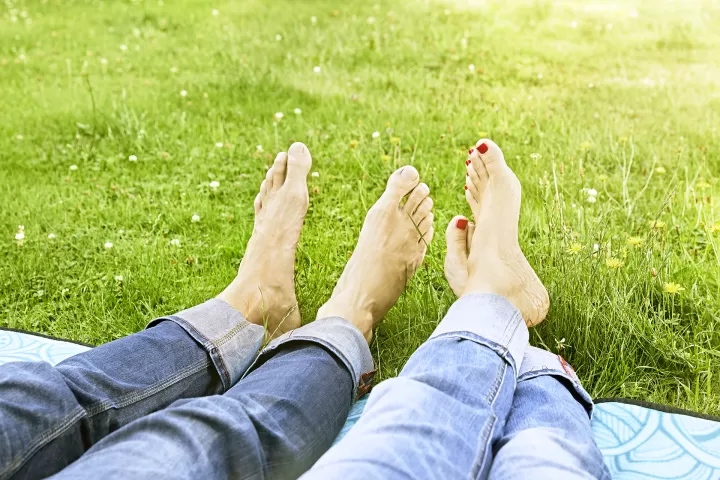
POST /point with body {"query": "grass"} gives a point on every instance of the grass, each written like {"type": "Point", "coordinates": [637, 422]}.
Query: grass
{"type": "Point", "coordinates": [623, 100]}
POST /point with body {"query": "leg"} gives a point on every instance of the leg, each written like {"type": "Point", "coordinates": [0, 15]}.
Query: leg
{"type": "Point", "coordinates": [279, 419]}
{"type": "Point", "coordinates": [548, 434]}
{"type": "Point", "coordinates": [440, 416]}
{"type": "Point", "coordinates": [55, 414]}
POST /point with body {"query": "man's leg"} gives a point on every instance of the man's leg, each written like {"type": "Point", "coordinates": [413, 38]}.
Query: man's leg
{"type": "Point", "coordinates": [279, 419]}
{"type": "Point", "coordinates": [440, 416]}
{"type": "Point", "coordinates": [547, 434]}
{"type": "Point", "coordinates": [53, 415]}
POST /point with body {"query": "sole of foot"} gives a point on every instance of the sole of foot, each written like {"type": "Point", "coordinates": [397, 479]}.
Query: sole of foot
{"type": "Point", "coordinates": [485, 257]}
{"type": "Point", "coordinates": [264, 289]}
{"type": "Point", "coordinates": [392, 245]}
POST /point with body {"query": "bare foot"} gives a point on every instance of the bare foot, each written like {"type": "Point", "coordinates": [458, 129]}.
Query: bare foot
{"type": "Point", "coordinates": [487, 258]}
{"type": "Point", "coordinates": [392, 245]}
{"type": "Point", "coordinates": [264, 289]}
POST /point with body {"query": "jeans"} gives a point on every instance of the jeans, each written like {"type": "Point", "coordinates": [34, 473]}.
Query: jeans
{"type": "Point", "coordinates": [190, 397]}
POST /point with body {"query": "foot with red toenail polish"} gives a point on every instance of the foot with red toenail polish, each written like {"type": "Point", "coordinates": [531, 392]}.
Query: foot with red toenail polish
{"type": "Point", "coordinates": [486, 257]}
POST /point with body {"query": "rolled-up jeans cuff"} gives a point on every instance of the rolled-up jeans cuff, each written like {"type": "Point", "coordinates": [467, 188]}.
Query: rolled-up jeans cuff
{"type": "Point", "coordinates": [538, 362]}
{"type": "Point", "coordinates": [339, 337]}
{"type": "Point", "coordinates": [231, 341]}
{"type": "Point", "coordinates": [490, 317]}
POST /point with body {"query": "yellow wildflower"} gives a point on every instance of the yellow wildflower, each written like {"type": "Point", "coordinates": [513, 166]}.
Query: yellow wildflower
{"type": "Point", "coordinates": [635, 241]}
{"type": "Point", "coordinates": [586, 145]}
{"type": "Point", "coordinates": [623, 139]}
{"type": "Point", "coordinates": [353, 143]}
{"type": "Point", "coordinates": [613, 262]}
{"type": "Point", "coordinates": [385, 158]}
{"type": "Point", "coordinates": [660, 170]}
{"type": "Point", "coordinates": [715, 228]}
{"type": "Point", "coordinates": [482, 134]}
{"type": "Point", "coordinates": [657, 224]}
{"type": "Point", "coordinates": [702, 185]}
{"type": "Point", "coordinates": [603, 178]}
{"type": "Point", "coordinates": [394, 140]}
{"type": "Point", "coordinates": [672, 288]}
{"type": "Point", "coordinates": [575, 248]}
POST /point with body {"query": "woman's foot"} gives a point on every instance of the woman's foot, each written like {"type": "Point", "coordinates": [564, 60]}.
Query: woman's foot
{"type": "Point", "coordinates": [392, 245]}
{"type": "Point", "coordinates": [486, 258]}
{"type": "Point", "coordinates": [264, 289]}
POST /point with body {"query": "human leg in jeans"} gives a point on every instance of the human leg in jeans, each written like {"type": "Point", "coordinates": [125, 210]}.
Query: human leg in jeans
{"type": "Point", "coordinates": [51, 415]}
{"type": "Point", "coordinates": [441, 416]}
{"type": "Point", "coordinates": [285, 413]}
{"type": "Point", "coordinates": [547, 434]}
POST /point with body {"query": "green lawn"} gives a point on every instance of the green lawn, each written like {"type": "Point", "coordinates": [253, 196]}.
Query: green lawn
{"type": "Point", "coordinates": [623, 100]}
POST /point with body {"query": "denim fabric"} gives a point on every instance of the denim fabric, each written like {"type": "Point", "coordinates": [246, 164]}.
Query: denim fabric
{"type": "Point", "coordinates": [49, 416]}
{"type": "Point", "coordinates": [439, 418]}
{"type": "Point", "coordinates": [273, 424]}
{"type": "Point", "coordinates": [547, 434]}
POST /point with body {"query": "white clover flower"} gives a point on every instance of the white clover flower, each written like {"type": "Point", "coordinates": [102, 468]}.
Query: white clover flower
{"type": "Point", "coordinates": [259, 148]}
{"type": "Point", "coordinates": [20, 236]}
{"type": "Point", "coordinates": [215, 12]}
{"type": "Point", "coordinates": [119, 278]}
{"type": "Point", "coordinates": [19, 137]}
{"type": "Point", "coordinates": [313, 19]}
{"type": "Point", "coordinates": [592, 199]}
{"type": "Point", "coordinates": [132, 158]}
{"type": "Point", "coordinates": [596, 247]}
{"type": "Point", "coordinates": [539, 76]}
{"type": "Point", "coordinates": [297, 111]}
{"type": "Point", "coordinates": [123, 47]}
{"type": "Point", "coordinates": [592, 192]}
{"type": "Point", "coordinates": [315, 174]}
{"type": "Point", "coordinates": [214, 184]}
{"type": "Point", "coordinates": [464, 43]}
{"type": "Point", "coordinates": [278, 37]}
{"type": "Point", "coordinates": [104, 61]}
{"type": "Point", "coordinates": [195, 218]}
{"type": "Point", "coordinates": [471, 67]}
{"type": "Point", "coordinates": [278, 116]}
{"type": "Point", "coordinates": [591, 85]}
{"type": "Point", "coordinates": [73, 168]}
{"type": "Point", "coordinates": [573, 24]}
{"type": "Point", "coordinates": [51, 236]}
{"type": "Point", "coordinates": [173, 69]}
{"type": "Point", "coordinates": [376, 134]}
{"type": "Point", "coordinates": [371, 20]}
{"type": "Point", "coordinates": [175, 242]}
{"type": "Point", "coordinates": [316, 69]}
{"type": "Point", "coordinates": [535, 156]}
{"type": "Point", "coordinates": [219, 144]}
{"type": "Point", "coordinates": [596, 115]}
{"type": "Point", "coordinates": [108, 245]}
{"type": "Point", "coordinates": [183, 93]}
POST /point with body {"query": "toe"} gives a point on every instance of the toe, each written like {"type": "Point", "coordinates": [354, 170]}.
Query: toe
{"type": "Point", "coordinates": [279, 167]}
{"type": "Point", "coordinates": [257, 204]}
{"type": "Point", "coordinates": [269, 180]}
{"type": "Point", "coordinates": [428, 236]}
{"type": "Point", "coordinates": [470, 235]}
{"type": "Point", "coordinates": [425, 224]}
{"type": "Point", "coordinates": [477, 173]}
{"type": "Point", "coordinates": [263, 190]}
{"type": "Point", "coordinates": [423, 210]}
{"type": "Point", "coordinates": [457, 237]}
{"type": "Point", "coordinates": [491, 156]}
{"type": "Point", "coordinates": [418, 195]}
{"type": "Point", "coordinates": [401, 182]}
{"type": "Point", "coordinates": [299, 163]}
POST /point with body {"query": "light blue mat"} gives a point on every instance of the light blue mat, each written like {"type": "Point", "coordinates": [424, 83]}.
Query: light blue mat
{"type": "Point", "coordinates": [639, 441]}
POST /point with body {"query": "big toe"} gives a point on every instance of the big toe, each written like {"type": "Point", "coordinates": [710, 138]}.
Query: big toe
{"type": "Point", "coordinates": [299, 162]}
{"type": "Point", "coordinates": [492, 157]}
{"type": "Point", "coordinates": [401, 182]}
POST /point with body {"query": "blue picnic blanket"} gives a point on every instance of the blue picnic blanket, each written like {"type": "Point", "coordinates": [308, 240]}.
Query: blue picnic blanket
{"type": "Point", "coordinates": [639, 441]}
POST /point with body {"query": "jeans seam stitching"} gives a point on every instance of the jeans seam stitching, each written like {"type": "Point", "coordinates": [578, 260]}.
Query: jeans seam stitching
{"type": "Point", "coordinates": [42, 440]}
{"type": "Point", "coordinates": [185, 324]}
{"type": "Point", "coordinates": [231, 333]}
{"type": "Point", "coordinates": [134, 397]}
{"type": "Point", "coordinates": [492, 396]}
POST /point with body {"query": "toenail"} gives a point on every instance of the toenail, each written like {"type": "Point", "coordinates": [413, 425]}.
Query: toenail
{"type": "Point", "coordinates": [465, 187]}
{"type": "Point", "coordinates": [461, 223]}
{"type": "Point", "coordinates": [468, 162]}
{"type": "Point", "coordinates": [409, 173]}
{"type": "Point", "coordinates": [483, 148]}
{"type": "Point", "coordinates": [470, 151]}
{"type": "Point", "coordinates": [467, 174]}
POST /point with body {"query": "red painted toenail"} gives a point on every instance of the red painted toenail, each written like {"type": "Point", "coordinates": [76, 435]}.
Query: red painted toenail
{"type": "Point", "coordinates": [470, 151]}
{"type": "Point", "coordinates": [462, 223]}
{"type": "Point", "coordinates": [468, 162]}
{"type": "Point", "coordinates": [465, 187]}
{"type": "Point", "coordinates": [467, 174]}
{"type": "Point", "coordinates": [482, 148]}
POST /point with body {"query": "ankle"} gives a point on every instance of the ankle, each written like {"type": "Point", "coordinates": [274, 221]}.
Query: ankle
{"type": "Point", "coordinates": [362, 319]}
